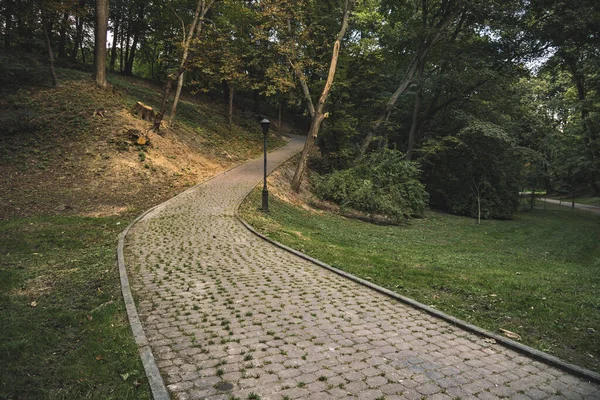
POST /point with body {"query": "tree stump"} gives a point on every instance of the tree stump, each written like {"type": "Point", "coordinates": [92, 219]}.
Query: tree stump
{"type": "Point", "coordinates": [144, 112]}
{"type": "Point", "coordinates": [138, 137]}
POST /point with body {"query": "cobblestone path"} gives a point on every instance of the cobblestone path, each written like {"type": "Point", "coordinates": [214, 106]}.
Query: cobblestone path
{"type": "Point", "coordinates": [231, 316]}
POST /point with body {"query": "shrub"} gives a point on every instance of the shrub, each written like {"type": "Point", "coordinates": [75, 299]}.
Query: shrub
{"type": "Point", "coordinates": [382, 183]}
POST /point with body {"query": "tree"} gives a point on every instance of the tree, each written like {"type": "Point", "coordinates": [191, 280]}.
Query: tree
{"type": "Point", "coordinates": [474, 173]}
{"type": "Point", "coordinates": [45, 27]}
{"type": "Point", "coordinates": [572, 31]}
{"type": "Point", "coordinates": [434, 24]}
{"type": "Point", "coordinates": [318, 112]}
{"type": "Point", "coordinates": [202, 8]}
{"type": "Point", "coordinates": [100, 48]}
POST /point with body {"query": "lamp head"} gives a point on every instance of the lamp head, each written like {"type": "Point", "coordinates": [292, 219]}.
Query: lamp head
{"type": "Point", "coordinates": [265, 123]}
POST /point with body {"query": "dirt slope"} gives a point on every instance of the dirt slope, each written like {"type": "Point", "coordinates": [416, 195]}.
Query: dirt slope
{"type": "Point", "coordinates": [68, 150]}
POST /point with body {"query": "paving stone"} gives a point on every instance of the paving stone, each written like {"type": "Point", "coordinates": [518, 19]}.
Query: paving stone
{"type": "Point", "coordinates": [217, 303]}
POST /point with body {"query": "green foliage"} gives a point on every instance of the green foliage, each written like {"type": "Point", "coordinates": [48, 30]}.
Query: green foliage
{"type": "Point", "coordinates": [478, 165]}
{"type": "Point", "coordinates": [382, 183]}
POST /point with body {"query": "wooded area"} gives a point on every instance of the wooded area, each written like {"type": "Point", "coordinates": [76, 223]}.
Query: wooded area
{"type": "Point", "coordinates": [484, 98]}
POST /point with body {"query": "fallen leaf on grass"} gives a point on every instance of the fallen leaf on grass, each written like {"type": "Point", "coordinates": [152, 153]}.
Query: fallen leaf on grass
{"type": "Point", "coordinates": [510, 334]}
{"type": "Point", "coordinates": [99, 357]}
{"type": "Point", "coordinates": [125, 376]}
{"type": "Point", "coordinates": [33, 304]}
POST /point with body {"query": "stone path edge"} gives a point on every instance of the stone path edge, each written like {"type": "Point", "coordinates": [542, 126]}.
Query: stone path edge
{"type": "Point", "coordinates": [523, 349]}
{"type": "Point", "coordinates": [155, 380]}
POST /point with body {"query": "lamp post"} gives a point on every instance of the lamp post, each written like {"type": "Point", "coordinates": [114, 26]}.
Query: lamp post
{"type": "Point", "coordinates": [265, 193]}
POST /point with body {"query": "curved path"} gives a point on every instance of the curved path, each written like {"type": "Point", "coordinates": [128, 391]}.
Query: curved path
{"type": "Point", "coordinates": [228, 315]}
{"type": "Point", "coordinates": [579, 206]}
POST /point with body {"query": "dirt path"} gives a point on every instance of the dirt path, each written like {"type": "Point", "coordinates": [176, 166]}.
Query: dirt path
{"type": "Point", "coordinates": [231, 316]}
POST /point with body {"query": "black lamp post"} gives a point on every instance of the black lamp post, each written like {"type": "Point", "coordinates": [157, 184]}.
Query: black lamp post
{"type": "Point", "coordinates": [265, 193]}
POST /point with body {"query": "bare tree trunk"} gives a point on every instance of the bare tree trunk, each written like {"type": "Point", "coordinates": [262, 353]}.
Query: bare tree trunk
{"type": "Point", "coordinates": [78, 37]}
{"type": "Point", "coordinates": [62, 39]}
{"type": "Point", "coordinates": [125, 58]}
{"type": "Point", "coordinates": [139, 31]}
{"type": "Point", "coordinates": [100, 56]}
{"type": "Point", "coordinates": [129, 62]}
{"type": "Point", "coordinates": [113, 50]}
{"type": "Point", "coordinates": [8, 13]}
{"type": "Point", "coordinates": [415, 117]}
{"type": "Point", "coordinates": [319, 116]}
{"type": "Point", "coordinates": [230, 112]}
{"type": "Point", "coordinates": [478, 210]}
{"type": "Point", "coordinates": [176, 100]}
{"type": "Point", "coordinates": [280, 116]}
{"type": "Point", "coordinates": [121, 53]}
{"type": "Point", "coordinates": [82, 52]}
{"type": "Point", "coordinates": [49, 47]}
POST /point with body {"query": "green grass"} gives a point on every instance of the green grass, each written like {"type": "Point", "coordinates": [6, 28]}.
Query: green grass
{"type": "Point", "coordinates": [64, 333]}
{"type": "Point", "coordinates": [538, 275]}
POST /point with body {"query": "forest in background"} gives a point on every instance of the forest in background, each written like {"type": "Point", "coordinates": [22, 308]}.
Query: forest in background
{"type": "Point", "coordinates": [461, 103]}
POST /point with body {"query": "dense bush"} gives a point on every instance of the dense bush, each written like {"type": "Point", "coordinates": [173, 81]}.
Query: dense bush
{"type": "Point", "coordinates": [478, 169]}
{"type": "Point", "coordinates": [382, 183]}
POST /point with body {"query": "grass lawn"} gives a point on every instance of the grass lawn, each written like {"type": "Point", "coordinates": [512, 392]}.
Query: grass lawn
{"type": "Point", "coordinates": [64, 333]}
{"type": "Point", "coordinates": [538, 275]}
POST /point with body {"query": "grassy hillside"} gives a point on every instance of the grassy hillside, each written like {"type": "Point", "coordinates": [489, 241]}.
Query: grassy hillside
{"type": "Point", "coordinates": [71, 179]}
{"type": "Point", "coordinates": [67, 149]}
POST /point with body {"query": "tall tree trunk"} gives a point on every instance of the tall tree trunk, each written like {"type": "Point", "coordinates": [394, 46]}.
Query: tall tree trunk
{"type": "Point", "coordinates": [82, 52]}
{"type": "Point", "coordinates": [78, 37]}
{"type": "Point", "coordinates": [588, 136]}
{"type": "Point", "coordinates": [8, 13]}
{"type": "Point", "coordinates": [139, 31]}
{"type": "Point", "coordinates": [319, 116]}
{"type": "Point", "coordinates": [100, 47]}
{"type": "Point", "coordinates": [256, 98]}
{"type": "Point", "coordinates": [280, 116]}
{"type": "Point", "coordinates": [125, 61]}
{"type": "Point", "coordinates": [129, 62]}
{"type": "Point", "coordinates": [230, 112]}
{"type": "Point", "coordinates": [49, 48]}
{"type": "Point", "coordinates": [121, 52]}
{"type": "Point", "coordinates": [176, 101]}
{"type": "Point", "coordinates": [62, 39]}
{"type": "Point", "coordinates": [202, 8]}
{"type": "Point", "coordinates": [415, 118]}
{"type": "Point", "coordinates": [113, 50]}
